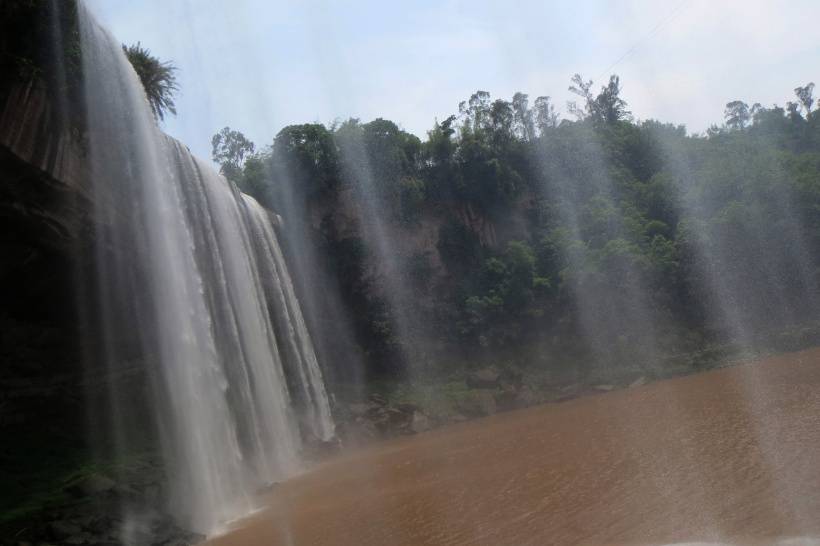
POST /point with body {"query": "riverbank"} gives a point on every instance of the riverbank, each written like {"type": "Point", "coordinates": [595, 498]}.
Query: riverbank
{"type": "Point", "coordinates": [725, 455]}
{"type": "Point", "coordinates": [468, 390]}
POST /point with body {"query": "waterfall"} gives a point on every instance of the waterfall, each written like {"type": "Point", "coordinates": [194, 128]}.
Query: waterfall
{"type": "Point", "coordinates": [192, 284]}
{"type": "Point", "coordinates": [280, 287]}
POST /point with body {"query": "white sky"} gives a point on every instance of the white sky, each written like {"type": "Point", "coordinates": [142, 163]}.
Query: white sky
{"type": "Point", "coordinates": [258, 65]}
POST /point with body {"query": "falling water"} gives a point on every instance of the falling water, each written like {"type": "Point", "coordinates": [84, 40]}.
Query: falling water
{"type": "Point", "coordinates": [304, 363]}
{"type": "Point", "coordinates": [193, 285]}
{"type": "Point", "coordinates": [319, 291]}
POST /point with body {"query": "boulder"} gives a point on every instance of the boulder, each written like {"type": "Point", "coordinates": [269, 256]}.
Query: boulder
{"type": "Point", "coordinates": [381, 423]}
{"type": "Point", "coordinates": [485, 378]}
{"type": "Point", "coordinates": [505, 399]}
{"type": "Point", "coordinates": [358, 432]}
{"type": "Point", "coordinates": [163, 531]}
{"type": "Point", "coordinates": [375, 410]}
{"type": "Point", "coordinates": [266, 488]}
{"type": "Point", "coordinates": [407, 407]}
{"type": "Point", "coordinates": [525, 398]}
{"type": "Point", "coordinates": [94, 524]}
{"type": "Point", "coordinates": [357, 410]}
{"type": "Point", "coordinates": [378, 399]}
{"type": "Point", "coordinates": [93, 484]}
{"type": "Point", "coordinates": [512, 377]}
{"type": "Point", "coordinates": [398, 417]}
{"type": "Point", "coordinates": [63, 530]}
{"type": "Point", "coordinates": [419, 422]}
{"type": "Point", "coordinates": [638, 382]}
{"type": "Point", "coordinates": [478, 404]}
{"type": "Point", "coordinates": [127, 492]}
{"type": "Point", "coordinates": [81, 538]}
{"type": "Point", "coordinates": [152, 494]}
{"type": "Point", "coordinates": [562, 395]}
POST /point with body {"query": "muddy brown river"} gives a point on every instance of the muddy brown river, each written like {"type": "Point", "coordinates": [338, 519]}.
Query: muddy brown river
{"type": "Point", "coordinates": [728, 456]}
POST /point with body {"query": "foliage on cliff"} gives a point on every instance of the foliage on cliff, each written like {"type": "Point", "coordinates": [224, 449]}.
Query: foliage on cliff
{"type": "Point", "coordinates": [556, 233]}
{"type": "Point", "coordinates": [158, 78]}
{"type": "Point", "coordinates": [39, 40]}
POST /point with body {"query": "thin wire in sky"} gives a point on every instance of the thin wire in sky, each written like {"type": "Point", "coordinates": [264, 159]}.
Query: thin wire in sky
{"type": "Point", "coordinates": [658, 26]}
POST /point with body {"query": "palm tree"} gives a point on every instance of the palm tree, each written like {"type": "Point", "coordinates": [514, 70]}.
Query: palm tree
{"type": "Point", "coordinates": [157, 77]}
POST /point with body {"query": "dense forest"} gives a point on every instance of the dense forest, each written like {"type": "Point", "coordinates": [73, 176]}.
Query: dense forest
{"type": "Point", "coordinates": [600, 239]}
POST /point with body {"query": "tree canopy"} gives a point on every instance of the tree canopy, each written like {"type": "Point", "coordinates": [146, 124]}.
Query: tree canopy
{"type": "Point", "coordinates": [538, 228]}
{"type": "Point", "coordinates": [158, 79]}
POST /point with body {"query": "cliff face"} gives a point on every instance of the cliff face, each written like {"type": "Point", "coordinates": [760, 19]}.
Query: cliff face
{"type": "Point", "coordinates": [423, 235]}
{"type": "Point", "coordinates": [400, 299]}
{"type": "Point", "coordinates": [45, 209]}
{"type": "Point", "coordinates": [44, 196]}
{"type": "Point", "coordinates": [45, 226]}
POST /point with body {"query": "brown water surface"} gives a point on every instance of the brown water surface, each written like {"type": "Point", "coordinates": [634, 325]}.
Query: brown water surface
{"type": "Point", "coordinates": [724, 456]}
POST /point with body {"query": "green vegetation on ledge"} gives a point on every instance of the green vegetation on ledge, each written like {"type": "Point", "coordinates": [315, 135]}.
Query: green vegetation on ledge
{"type": "Point", "coordinates": [530, 212]}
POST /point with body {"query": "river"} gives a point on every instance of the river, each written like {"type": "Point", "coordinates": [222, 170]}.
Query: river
{"type": "Point", "coordinates": [726, 456]}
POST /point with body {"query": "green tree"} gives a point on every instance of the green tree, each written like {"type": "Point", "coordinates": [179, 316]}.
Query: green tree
{"type": "Point", "coordinates": [230, 149]}
{"type": "Point", "coordinates": [508, 292]}
{"type": "Point", "coordinates": [475, 113]}
{"type": "Point", "coordinates": [439, 162]}
{"type": "Point", "coordinates": [584, 90]}
{"type": "Point", "coordinates": [158, 79]}
{"type": "Point", "coordinates": [606, 107]}
{"type": "Point", "coordinates": [737, 114]}
{"type": "Point", "coordinates": [502, 118]}
{"type": "Point", "coordinates": [307, 157]}
{"type": "Point", "coordinates": [804, 95]}
{"type": "Point", "coordinates": [546, 117]}
{"type": "Point", "coordinates": [524, 122]}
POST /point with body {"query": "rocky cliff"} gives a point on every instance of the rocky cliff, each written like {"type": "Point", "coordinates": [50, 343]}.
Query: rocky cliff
{"type": "Point", "coordinates": [45, 197]}
{"type": "Point", "coordinates": [45, 225]}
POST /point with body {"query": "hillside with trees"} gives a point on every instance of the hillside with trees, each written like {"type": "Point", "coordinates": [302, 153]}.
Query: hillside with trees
{"type": "Point", "coordinates": [595, 241]}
